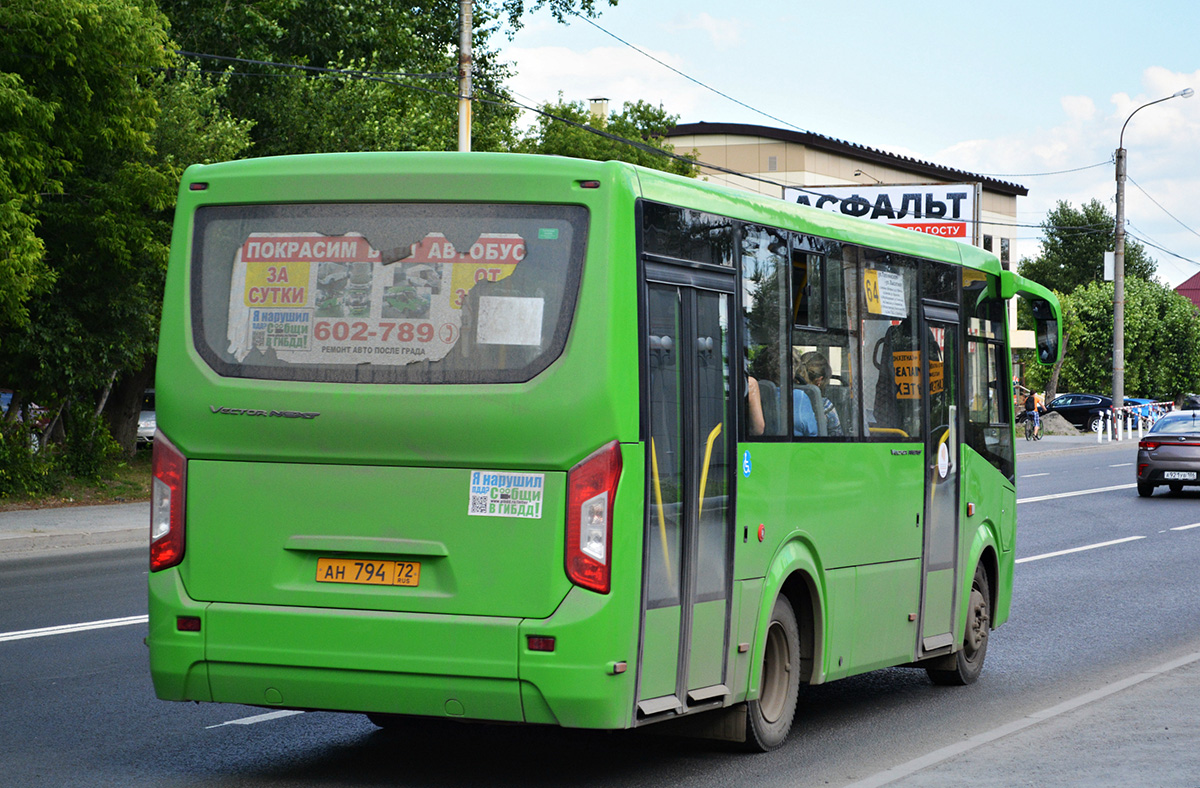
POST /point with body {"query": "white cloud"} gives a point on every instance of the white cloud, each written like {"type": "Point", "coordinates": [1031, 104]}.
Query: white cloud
{"type": "Point", "coordinates": [1080, 108]}
{"type": "Point", "coordinates": [617, 73]}
{"type": "Point", "coordinates": [723, 34]}
{"type": "Point", "coordinates": [1163, 159]}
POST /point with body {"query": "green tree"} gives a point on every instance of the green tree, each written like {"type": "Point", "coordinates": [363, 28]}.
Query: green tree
{"type": "Point", "coordinates": [96, 71]}
{"type": "Point", "coordinates": [1072, 252]}
{"type": "Point", "coordinates": [1162, 341]}
{"type": "Point", "coordinates": [638, 121]}
{"type": "Point", "coordinates": [396, 83]}
{"type": "Point", "coordinates": [26, 158]}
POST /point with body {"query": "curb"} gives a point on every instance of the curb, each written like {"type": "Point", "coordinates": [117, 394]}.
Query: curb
{"type": "Point", "coordinates": [24, 545]}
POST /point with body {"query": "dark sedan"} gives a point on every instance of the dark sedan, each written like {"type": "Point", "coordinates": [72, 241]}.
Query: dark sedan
{"type": "Point", "coordinates": [1082, 410]}
{"type": "Point", "coordinates": [1170, 453]}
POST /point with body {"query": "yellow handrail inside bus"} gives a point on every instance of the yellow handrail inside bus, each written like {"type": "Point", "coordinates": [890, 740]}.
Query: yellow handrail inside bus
{"type": "Point", "coordinates": [887, 431]}
{"type": "Point", "coordinates": [662, 523]}
{"type": "Point", "coordinates": [712, 436]}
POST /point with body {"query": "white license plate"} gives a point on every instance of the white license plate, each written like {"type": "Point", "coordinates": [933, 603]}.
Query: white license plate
{"type": "Point", "coordinates": [1180, 476]}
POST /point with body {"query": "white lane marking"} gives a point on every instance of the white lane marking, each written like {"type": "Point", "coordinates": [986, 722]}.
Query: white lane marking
{"type": "Point", "coordinates": [1121, 465]}
{"type": "Point", "coordinates": [274, 715]}
{"type": "Point", "coordinates": [1186, 527]}
{"type": "Point", "coordinates": [66, 629]}
{"type": "Point", "coordinates": [1077, 492]}
{"type": "Point", "coordinates": [1034, 475]}
{"type": "Point", "coordinates": [946, 753]}
{"type": "Point", "coordinates": [1079, 549]}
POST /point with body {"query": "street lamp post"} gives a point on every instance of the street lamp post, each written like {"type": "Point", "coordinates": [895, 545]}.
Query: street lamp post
{"type": "Point", "coordinates": [1118, 384]}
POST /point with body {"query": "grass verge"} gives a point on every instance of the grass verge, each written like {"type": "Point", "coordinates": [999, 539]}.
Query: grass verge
{"type": "Point", "coordinates": [127, 481]}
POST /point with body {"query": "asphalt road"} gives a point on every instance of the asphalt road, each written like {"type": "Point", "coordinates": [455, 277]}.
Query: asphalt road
{"type": "Point", "coordinates": [1094, 681]}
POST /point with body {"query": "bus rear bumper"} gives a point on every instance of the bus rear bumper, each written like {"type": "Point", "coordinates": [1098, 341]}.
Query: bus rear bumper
{"type": "Point", "coordinates": [470, 667]}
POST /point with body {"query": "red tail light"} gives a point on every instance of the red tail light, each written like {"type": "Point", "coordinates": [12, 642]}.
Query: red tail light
{"type": "Point", "coordinates": [591, 490]}
{"type": "Point", "coordinates": [1148, 445]}
{"type": "Point", "coordinates": [166, 505]}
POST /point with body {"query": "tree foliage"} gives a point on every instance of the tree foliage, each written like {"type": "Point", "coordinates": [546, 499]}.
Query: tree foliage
{"type": "Point", "coordinates": [380, 76]}
{"type": "Point", "coordinates": [1162, 341]}
{"type": "Point", "coordinates": [639, 121]}
{"type": "Point", "coordinates": [25, 159]}
{"type": "Point", "coordinates": [94, 179]}
{"type": "Point", "coordinates": [1073, 248]}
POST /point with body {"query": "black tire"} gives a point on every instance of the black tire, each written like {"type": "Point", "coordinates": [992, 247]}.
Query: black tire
{"type": "Point", "coordinates": [769, 717]}
{"type": "Point", "coordinates": [1093, 424]}
{"type": "Point", "coordinates": [1145, 489]}
{"type": "Point", "coordinates": [1028, 429]}
{"type": "Point", "coordinates": [968, 660]}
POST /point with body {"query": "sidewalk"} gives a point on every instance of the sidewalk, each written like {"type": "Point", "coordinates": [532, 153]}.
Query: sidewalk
{"type": "Point", "coordinates": [25, 532]}
{"type": "Point", "coordinates": [1064, 443]}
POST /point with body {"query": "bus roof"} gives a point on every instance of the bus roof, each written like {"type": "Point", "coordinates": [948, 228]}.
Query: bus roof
{"type": "Point", "coordinates": [382, 167]}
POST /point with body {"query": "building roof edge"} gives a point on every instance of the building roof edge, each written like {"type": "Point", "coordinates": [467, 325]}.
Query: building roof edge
{"type": "Point", "coordinates": [832, 145]}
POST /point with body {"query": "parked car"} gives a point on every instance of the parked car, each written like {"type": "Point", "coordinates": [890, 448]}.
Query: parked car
{"type": "Point", "coordinates": [147, 421]}
{"type": "Point", "coordinates": [1082, 410]}
{"type": "Point", "coordinates": [1170, 453]}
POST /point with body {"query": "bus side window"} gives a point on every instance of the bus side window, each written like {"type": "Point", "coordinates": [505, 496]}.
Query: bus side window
{"type": "Point", "coordinates": [824, 347]}
{"type": "Point", "coordinates": [891, 348]}
{"type": "Point", "coordinates": [765, 318]}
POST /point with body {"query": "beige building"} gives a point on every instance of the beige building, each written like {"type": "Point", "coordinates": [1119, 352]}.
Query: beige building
{"type": "Point", "coordinates": [769, 160]}
{"type": "Point", "coordinates": [784, 163]}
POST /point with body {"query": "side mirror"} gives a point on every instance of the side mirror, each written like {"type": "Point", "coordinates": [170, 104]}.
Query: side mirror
{"type": "Point", "coordinates": [1047, 330]}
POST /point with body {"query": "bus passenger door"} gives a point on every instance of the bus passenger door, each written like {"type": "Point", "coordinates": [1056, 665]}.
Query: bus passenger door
{"type": "Point", "coordinates": [688, 527]}
{"type": "Point", "coordinates": [939, 354]}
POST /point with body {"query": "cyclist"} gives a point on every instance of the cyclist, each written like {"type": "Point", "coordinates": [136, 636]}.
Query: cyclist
{"type": "Point", "coordinates": [1032, 411]}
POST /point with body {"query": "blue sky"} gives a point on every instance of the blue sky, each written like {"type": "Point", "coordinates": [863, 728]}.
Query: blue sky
{"type": "Point", "coordinates": [1014, 90]}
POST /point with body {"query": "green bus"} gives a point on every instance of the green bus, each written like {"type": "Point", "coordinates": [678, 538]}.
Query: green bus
{"type": "Point", "coordinates": [545, 440]}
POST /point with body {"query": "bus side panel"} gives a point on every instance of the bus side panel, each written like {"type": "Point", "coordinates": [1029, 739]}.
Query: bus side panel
{"type": "Point", "coordinates": [886, 593]}
{"type": "Point", "coordinates": [583, 683]}
{"type": "Point", "coordinates": [832, 492]}
{"type": "Point", "coordinates": [872, 617]}
{"type": "Point", "coordinates": [746, 596]}
{"type": "Point", "coordinates": [795, 558]}
{"type": "Point", "coordinates": [995, 500]}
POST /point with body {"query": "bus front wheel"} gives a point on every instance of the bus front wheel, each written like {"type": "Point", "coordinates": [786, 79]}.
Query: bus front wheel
{"type": "Point", "coordinates": [769, 717]}
{"type": "Point", "coordinates": [968, 660]}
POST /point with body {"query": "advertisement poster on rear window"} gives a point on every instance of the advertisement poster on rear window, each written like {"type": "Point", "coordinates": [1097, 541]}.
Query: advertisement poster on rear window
{"type": "Point", "coordinates": [315, 299]}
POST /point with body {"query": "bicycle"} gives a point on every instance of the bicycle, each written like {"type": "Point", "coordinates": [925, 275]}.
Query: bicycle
{"type": "Point", "coordinates": [1032, 433]}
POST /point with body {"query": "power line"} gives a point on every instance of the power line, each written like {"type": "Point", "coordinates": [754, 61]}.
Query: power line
{"type": "Point", "coordinates": [1147, 242]}
{"type": "Point", "coordinates": [1040, 174]}
{"type": "Point", "coordinates": [1164, 210]}
{"type": "Point", "coordinates": [689, 78]}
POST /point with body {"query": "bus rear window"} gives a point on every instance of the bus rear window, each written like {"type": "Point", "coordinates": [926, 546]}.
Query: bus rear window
{"type": "Point", "coordinates": [385, 293]}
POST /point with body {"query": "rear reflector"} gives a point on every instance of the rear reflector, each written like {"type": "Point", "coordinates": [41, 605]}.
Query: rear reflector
{"type": "Point", "coordinates": [187, 623]}
{"type": "Point", "coordinates": [538, 643]}
{"type": "Point", "coordinates": [591, 490]}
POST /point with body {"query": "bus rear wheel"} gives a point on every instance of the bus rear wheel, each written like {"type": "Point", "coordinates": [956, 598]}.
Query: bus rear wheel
{"type": "Point", "coordinates": [968, 660]}
{"type": "Point", "coordinates": [769, 717]}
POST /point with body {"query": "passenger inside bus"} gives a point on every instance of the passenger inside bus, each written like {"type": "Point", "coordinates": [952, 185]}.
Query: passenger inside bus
{"type": "Point", "coordinates": [814, 413]}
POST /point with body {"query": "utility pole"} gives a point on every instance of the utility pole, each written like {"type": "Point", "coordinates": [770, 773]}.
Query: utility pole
{"type": "Point", "coordinates": [1118, 376]}
{"type": "Point", "coordinates": [464, 75]}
